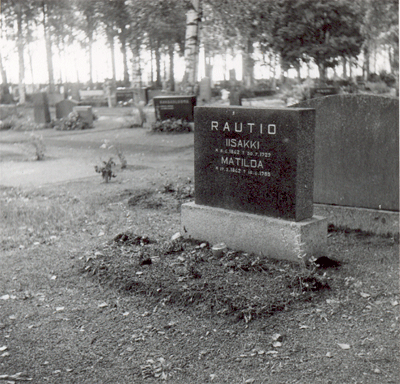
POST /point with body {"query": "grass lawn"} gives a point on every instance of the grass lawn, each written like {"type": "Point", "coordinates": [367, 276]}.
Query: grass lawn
{"type": "Point", "coordinates": [81, 303]}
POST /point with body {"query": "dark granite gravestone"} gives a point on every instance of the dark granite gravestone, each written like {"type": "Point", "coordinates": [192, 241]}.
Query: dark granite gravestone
{"type": "Point", "coordinates": [178, 107]}
{"type": "Point", "coordinates": [41, 110]}
{"type": "Point", "coordinates": [64, 108]}
{"type": "Point", "coordinates": [255, 160]}
{"type": "Point", "coordinates": [356, 151]}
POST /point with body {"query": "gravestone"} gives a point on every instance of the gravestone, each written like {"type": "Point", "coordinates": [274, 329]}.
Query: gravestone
{"type": "Point", "coordinates": [54, 98]}
{"type": "Point", "coordinates": [254, 181]}
{"type": "Point", "coordinates": [41, 110]}
{"type": "Point", "coordinates": [178, 107]}
{"type": "Point", "coordinates": [356, 173]}
{"type": "Point", "coordinates": [205, 90]}
{"type": "Point", "coordinates": [64, 108]}
{"type": "Point", "coordinates": [323, 91]}
{"type": "Point", "coordinates": [85, 113]}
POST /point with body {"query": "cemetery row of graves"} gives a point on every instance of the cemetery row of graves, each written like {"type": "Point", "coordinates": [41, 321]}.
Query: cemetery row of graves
{"type": "Point", "coordinates": [250, 285]}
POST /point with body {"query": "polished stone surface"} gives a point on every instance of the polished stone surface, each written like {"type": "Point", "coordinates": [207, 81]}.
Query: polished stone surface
{"type": "Point", "coordinates": [255, 160]}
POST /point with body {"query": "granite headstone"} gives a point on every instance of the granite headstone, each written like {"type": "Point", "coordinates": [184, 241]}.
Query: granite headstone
{"type": "Point", "coordinates": [178, 107]}
{"type": "Point", "coordinates": [356, 151]}
{"type": "Point", "coordinates": [255, 160]}
{"type": "Point", "coordinates": [41, 110]}
{"type": "Point", "coordinates": [64, 108]}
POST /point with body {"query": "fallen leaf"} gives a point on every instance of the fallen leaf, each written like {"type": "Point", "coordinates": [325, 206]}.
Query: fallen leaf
{"type": "Point", "coordinates": [304, 326]}
{"type": "Point", "coordinates": [277, 344]}
{"type": "Point", "coordinates": [102, 305]}
{"type": "Point", "coordinates": [344, 346]}
{"type": "Point", "coordinates": [58, 309]}
{"type": "Point", "coordinates": [3, 348]}
{"type": "Point", "coordinates": [328, 354]}
{"type": "Point", "coordinates": [364, 295]}
{"type": "Point", "coordinates": [5, 354]}
{"type": "Point", "coordinates": [101, 233]}
{"type": "Point", "coordinates": [125, 314]}
{"type": "Point", "coordinates": [53, 277]}
{"type": "Point", "coordinates": [5, 297]}
{"type": "Point", "coordinates": [250, 381]}
{"type": "Point", "coordinates": [271, 352]}
{"type": "Point", "coordinates": [394, 303]}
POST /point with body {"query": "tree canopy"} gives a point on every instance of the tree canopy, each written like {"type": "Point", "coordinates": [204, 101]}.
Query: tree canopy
{"type": "Point", "coordinates": [323, 32]}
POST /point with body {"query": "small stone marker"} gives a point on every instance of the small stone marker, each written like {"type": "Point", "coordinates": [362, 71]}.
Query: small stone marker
{"type": "Point", "coordinates": [254, 182]}
{"type": "Point", "coordinates": [64, 108]}
{"type": "Point", "coordinates": [41, 110]}
{"type": "Point", "coordinates": [178, 107]}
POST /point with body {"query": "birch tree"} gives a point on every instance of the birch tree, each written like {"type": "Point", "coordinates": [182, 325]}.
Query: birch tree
{"type": "Point", "coordinates": [193, 19]}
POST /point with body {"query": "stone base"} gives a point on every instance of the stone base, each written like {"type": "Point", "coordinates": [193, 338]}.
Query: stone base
{"type": "Point", "coordinates": [369, 220]}
{"type": "Point", "coordinates": [263, 235]}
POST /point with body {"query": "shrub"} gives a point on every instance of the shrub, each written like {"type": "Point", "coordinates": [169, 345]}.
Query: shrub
{"type": "Point", "coordinates": [171, 126]}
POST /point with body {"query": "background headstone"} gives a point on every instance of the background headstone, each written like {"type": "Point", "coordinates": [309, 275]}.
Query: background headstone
{"type": "Point", "coordinates": [356, 151]}
{"type": "Point", "coordinates": [205, 90]}
{"type": "Point", "coordinates": [64, 108]}
{"type": "Point", "coordinates": [255, 160]}
{"type": "Point", "coordinates": [41, 110]}
{"type": "Point", "coordinates": [178, 107]}
{"type": "Point", "coordinates": [86, 113]}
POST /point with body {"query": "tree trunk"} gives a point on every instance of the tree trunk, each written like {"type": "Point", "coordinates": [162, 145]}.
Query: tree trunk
{"type": "Point", "coordinates": [322, 72]}
{"type": "Point", "coordinates": [273, 65]}
{"type": "Point", "coordinates": [171, 68]}
{"type": "Point", "coordinates": [110, 38]}
{"type": "Point", "coordinates": [90, 60]}
{"type": "Point", "coordinates": [49, 53]}
{"type": "Point", "coordinates": [124, 59]}
{"type": "Point", "coordinates": [248, 65]}
{"type": "Point", "coordinates": [350, 70]}
{"type": "Point", "coordinates": [151, 64]}
{"type": "Point", "coordinates": [366, 67]}
{"type": "Point", "coordinates": [3, 72]}
{"type": "Point", "coordinates": [158, 66]}
{"type": "Point", "coordinates": [193, 18]}
{"type": "Point", "coordinates": [298, 71]}
{"type": "Point", "coordinates": [344, 63]}
{"type": "Point", "coordinates": [137, 69]}
{"type": "Point", "coordinates": [20, 43]}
